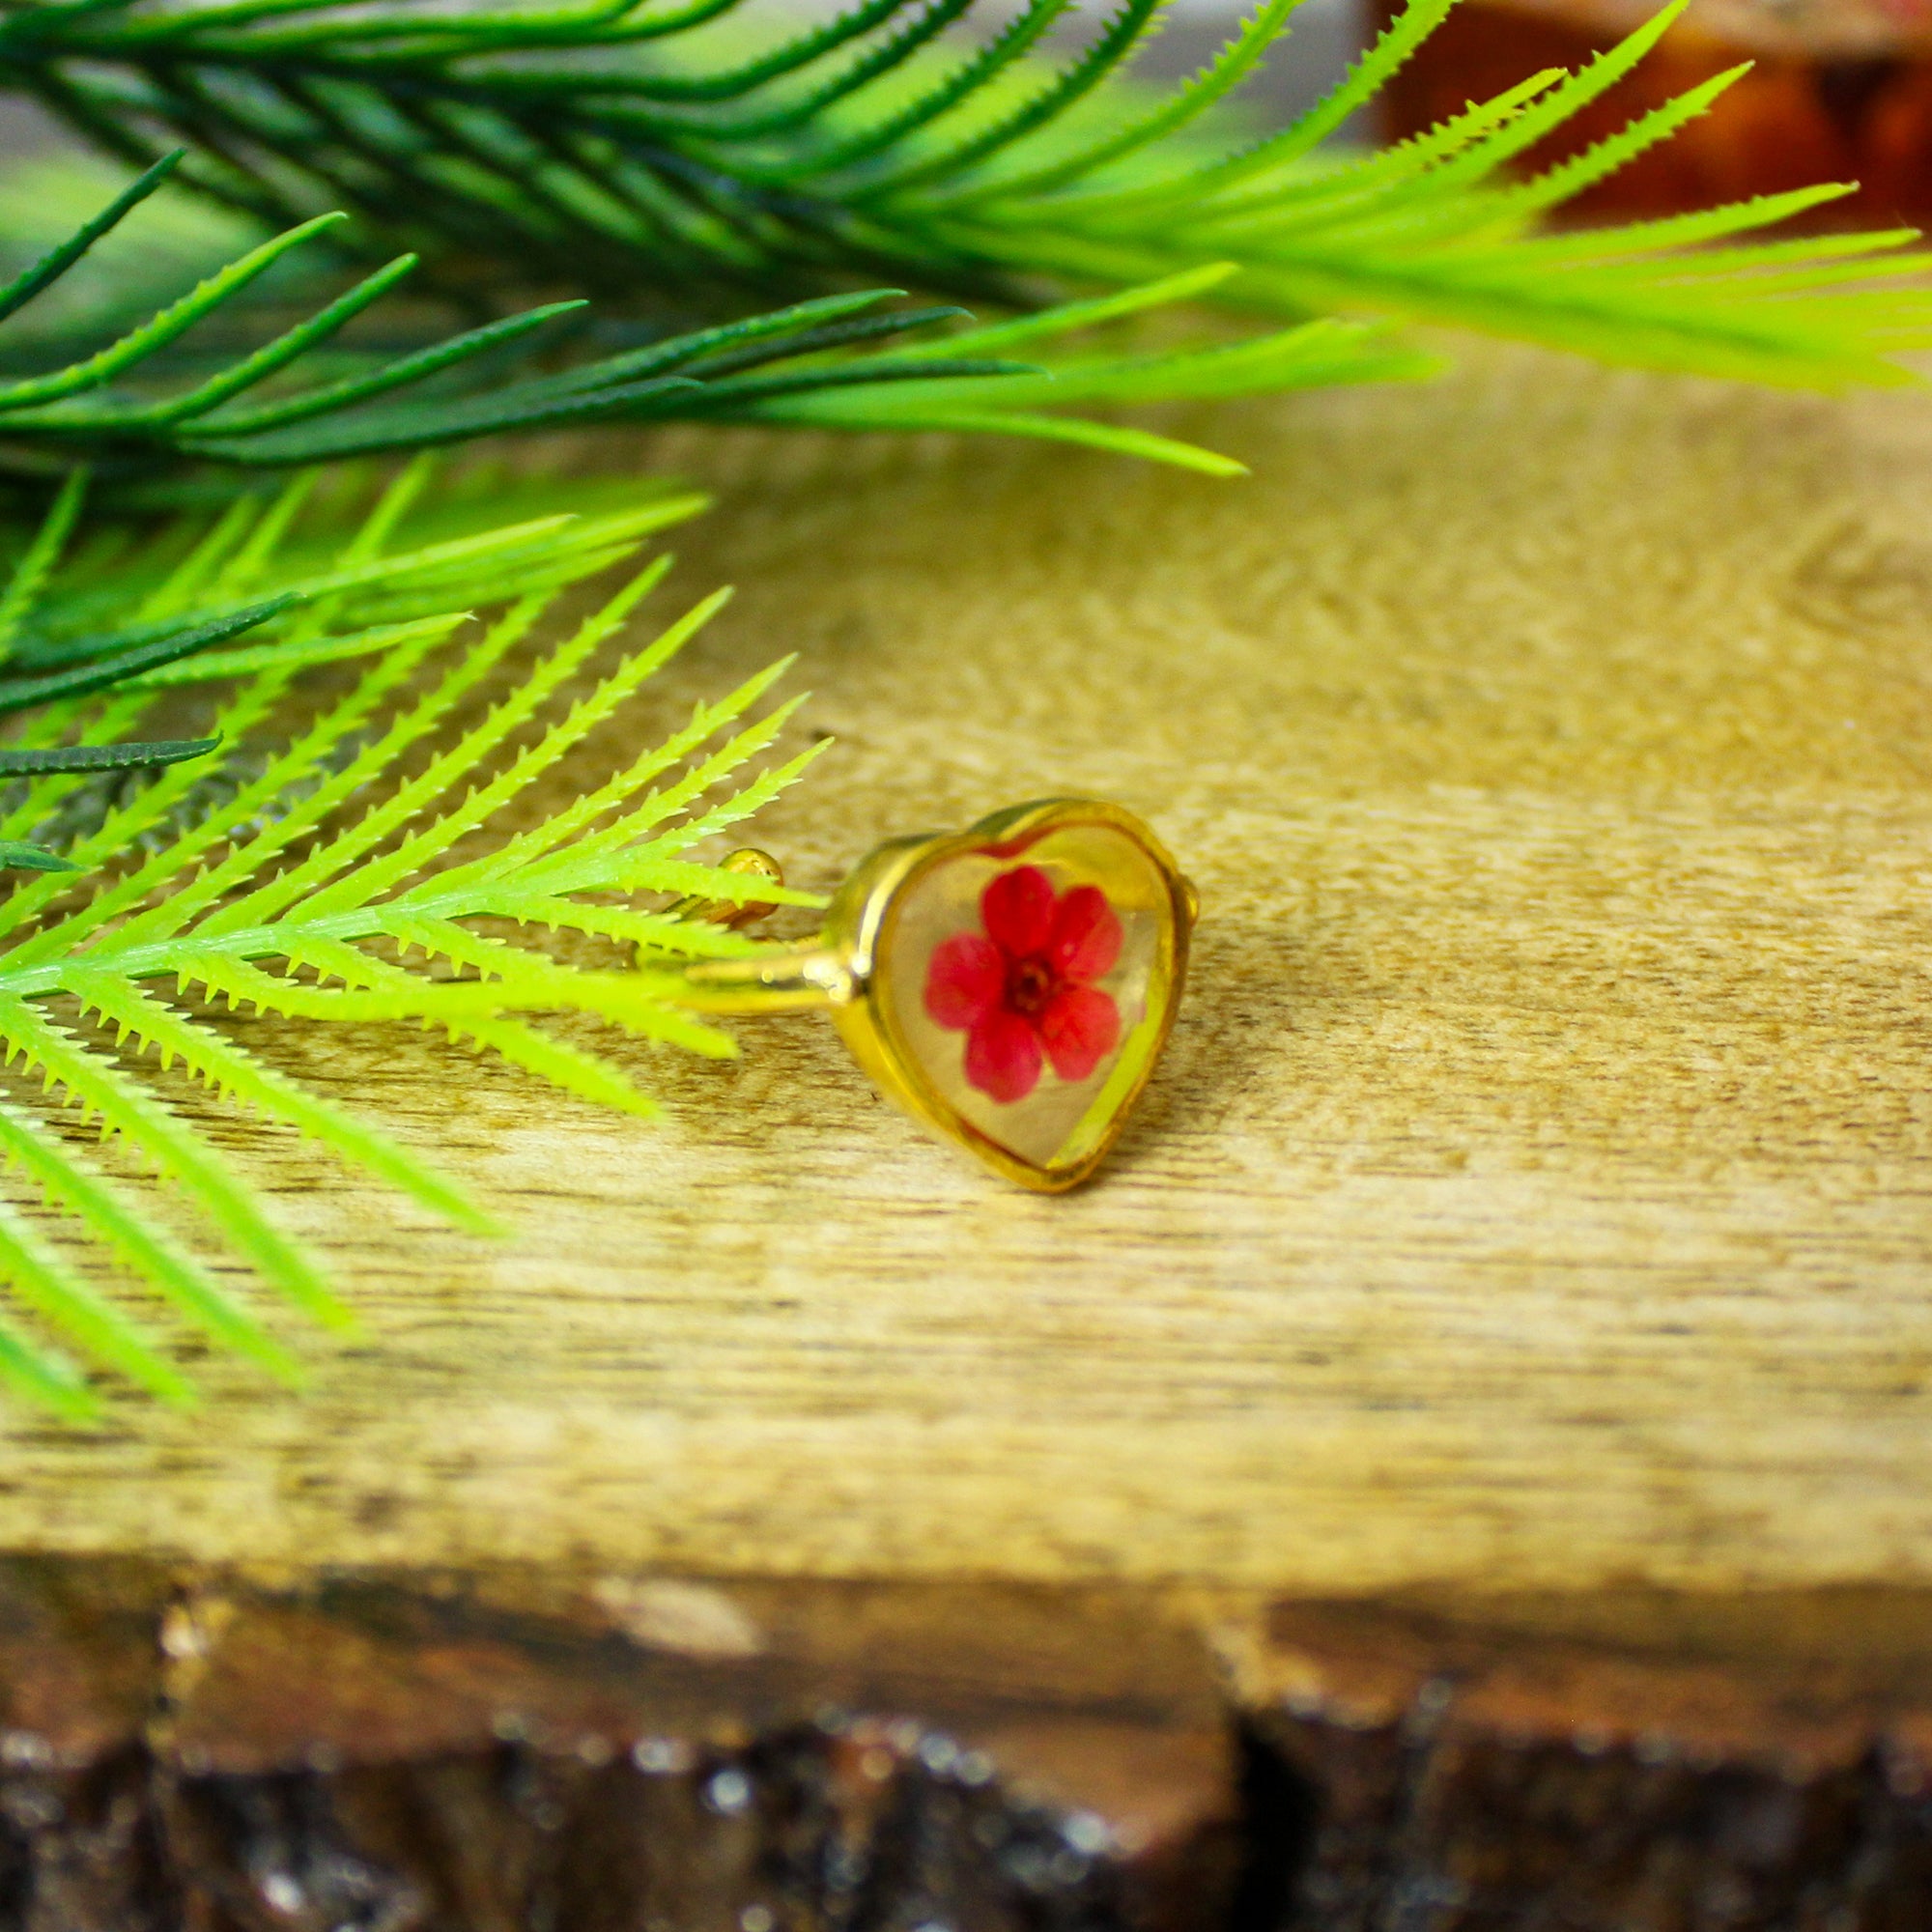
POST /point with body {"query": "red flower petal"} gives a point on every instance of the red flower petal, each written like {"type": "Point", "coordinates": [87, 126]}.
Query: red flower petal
{"type": "Point", "coordinates": [1085, 935]}
{"type": "Point", "coordinates": [966, 977]}
{"type": "Point", "coordinates": [1079, 1028]}
{"type": "Point", "coordinates": [1018, 911]}
{"type": "Point", "coordinates": [1003, 1057]}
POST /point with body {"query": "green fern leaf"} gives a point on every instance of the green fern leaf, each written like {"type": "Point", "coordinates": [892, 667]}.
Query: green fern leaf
{"type": "Point", "coordinates": [340, 881]}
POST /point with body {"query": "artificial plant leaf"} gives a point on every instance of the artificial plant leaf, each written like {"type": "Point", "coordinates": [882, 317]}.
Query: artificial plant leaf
{"type": "Point", "coordinates": [156, 751]}
{"type": "Point", "coordinates": [97, 672]}
{"type": "Point", "coordinates": [845, 351]}
{"type": "Point", "coordinates": [17, 856]}
{"type": "Point", "coordinates": [337, 879]}
{"type": "Point", "coordinates": [629, 149]}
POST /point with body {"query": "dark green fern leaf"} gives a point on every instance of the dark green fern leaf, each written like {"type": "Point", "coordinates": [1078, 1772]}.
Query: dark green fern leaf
{"type": "Point", "coordinates": [647, 146]}
{"type": "Point", "coordinates": [846, 354]}
{"type": "Point", "coordinates": [64, 642]}
{"type": "Point", "coordinates": [147, 756]}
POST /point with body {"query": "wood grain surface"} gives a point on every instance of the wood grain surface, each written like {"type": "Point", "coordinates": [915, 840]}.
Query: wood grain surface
{"type": "Point", "coordinates": [1538, 1190]}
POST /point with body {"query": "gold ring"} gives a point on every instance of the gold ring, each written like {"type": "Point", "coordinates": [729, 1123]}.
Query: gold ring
{"type": "Point", "coordinates": [1011, 985]}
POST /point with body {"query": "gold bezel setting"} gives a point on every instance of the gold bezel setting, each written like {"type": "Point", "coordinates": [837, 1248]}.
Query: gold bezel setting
{"type": "Point", "coordinates": [860, 931]}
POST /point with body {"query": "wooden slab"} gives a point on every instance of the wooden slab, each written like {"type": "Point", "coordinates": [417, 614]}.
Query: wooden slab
{"type": "Point", "coordinates": [1538, 1193]}
{"type": "Point", "coordinates": [502, 1748]}
{"type": "Point", "coordinates": [516, 1751]}
{"type": "Point", "coordinates": [1533, 1214]}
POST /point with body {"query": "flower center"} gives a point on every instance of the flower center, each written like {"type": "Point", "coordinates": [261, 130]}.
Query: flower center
{"type": "Point", "coordinates": [1029, 984]}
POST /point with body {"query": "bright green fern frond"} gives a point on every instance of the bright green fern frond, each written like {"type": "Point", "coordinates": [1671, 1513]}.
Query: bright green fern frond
{"type": "Point", "coordinates": [338, 878]}
{"type": "Point", "coordinates": [624, 148]}
{"type": "Point", "coordinates": [186, 1287]}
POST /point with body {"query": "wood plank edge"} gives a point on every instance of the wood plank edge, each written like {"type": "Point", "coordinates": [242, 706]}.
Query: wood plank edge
{"type": "Point", "coordinates": [193, 1748]}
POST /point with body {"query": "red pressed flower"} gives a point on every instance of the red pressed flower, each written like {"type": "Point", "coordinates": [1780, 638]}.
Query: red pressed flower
{"type": "Point", "coordinates": [1020, 991]}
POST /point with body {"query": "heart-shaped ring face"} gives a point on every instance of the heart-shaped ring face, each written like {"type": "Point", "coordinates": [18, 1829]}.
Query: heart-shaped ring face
{"type": "Point", "coordinates": [1015, 985]}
